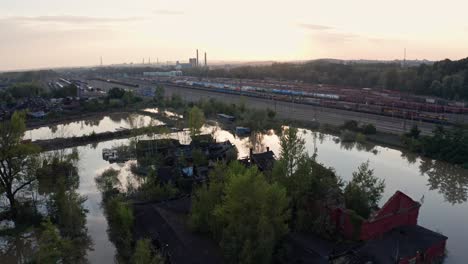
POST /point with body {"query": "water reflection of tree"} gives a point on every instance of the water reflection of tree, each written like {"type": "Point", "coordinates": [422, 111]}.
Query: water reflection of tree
{"type": "Point", "coordinates": [58, 181]}
{"type": "Point", "coordinates": [18, 248]}
{"type": "Point", "coordinates": [411, 157]}
{"type": "Point", "coordinates": [365, 146]}
{"type": "Point", "coordinates": [53, 128]}
{"type": "Point", "coordinates": [450, 180]}
{"type": "Point", "coordinates": [255, 142]}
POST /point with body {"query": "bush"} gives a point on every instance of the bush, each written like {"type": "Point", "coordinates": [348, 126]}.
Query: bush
{"type": "Point", "coordinates": [348, 136]}
{"type": "Point", "coordinates": [351, 125]}
{"type": "Point", "coordinates": [369, 129]}
{"type": "Point", "coordinates": [120, 218]}
{"type": "Point", "coordinates": [361, 138]}
{"type": "Point", "coordinates": [151, 191]}
{"type": "Point", "coordinates": [145, 253]}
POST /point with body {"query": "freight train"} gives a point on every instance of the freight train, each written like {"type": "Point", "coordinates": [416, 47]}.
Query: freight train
{"type": "Point", "coordinates": [370, 102]}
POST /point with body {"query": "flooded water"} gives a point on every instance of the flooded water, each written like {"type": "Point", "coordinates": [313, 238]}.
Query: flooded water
{"type": "Point", "coordinates": [443, 188]}
{"type": "Point", "coordinates": [90, 166]}
{"type": "Point", "coordinates": [110, 123]}
{"type": "Point", "coordinates": [169, 114]}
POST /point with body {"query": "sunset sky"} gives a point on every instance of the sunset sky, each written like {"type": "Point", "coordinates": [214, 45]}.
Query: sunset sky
{"type": "Point", "coordinates": [54, 33]}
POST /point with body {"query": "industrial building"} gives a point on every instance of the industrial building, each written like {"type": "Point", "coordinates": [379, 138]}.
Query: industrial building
{"type": "Point", "coordinates": [163, 74]}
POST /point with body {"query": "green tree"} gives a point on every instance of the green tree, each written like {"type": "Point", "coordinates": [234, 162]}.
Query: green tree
{"type": "Point", "coordinates": [254, 216]}
{"type": "Point", "coordinates": [207, 197]}
{"type": "Point", "coordinates": [369, 129]}
{"type": "Point", "coordinates": [116, 93]}
{"type": "Point", "coordinates": [364, 191]}
{"type": "Point", "coordinates": [241, 210]}
{"type": "Point", "coordinates": [199, 158]}
{"type": "Point", "coordinates": [128, 98]}
{"type": "Point", "coordinates": [18, 160]}
{"type": "Point", "coordinates": [414, 132]}
{"type": "Point", "coordinates": [52, 247]}
{"type": "Point", "coordinates": [145, 253]}
{"type": "Point", "coordinates": [121, 220]}
{"type": "Point", "coordinates": [292, 149]}
{"type": "Point", "coordinates": [22, 90]}
{"type": "Point", "coordinates": [159, 93]}
{"type": "Point", "coordinates": [307, 183]}
{"type": "Point", "coordinates": [196, 120]}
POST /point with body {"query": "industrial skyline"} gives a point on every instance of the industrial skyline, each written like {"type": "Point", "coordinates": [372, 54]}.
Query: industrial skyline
{"type": "Point", "coordinates": [58, 34]}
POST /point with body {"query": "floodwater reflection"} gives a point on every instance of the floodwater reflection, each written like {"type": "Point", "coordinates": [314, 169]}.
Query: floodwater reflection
{"type": "Point", "coordinates": [443, 185]}
{"type": "Point", "coordinates": [451, 181]}
{"type": "Point", "coordinates": [111, 122]}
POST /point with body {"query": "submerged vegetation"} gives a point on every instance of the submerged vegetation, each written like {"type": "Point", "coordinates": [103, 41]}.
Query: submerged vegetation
{"type": "Point", "coordinates": [248, 212]}
{"type": "Point", "coordinates": [449, 145]}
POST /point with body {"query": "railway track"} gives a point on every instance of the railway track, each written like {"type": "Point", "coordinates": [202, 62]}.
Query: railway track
{"type": "Point", "coordinates": [304, 112]}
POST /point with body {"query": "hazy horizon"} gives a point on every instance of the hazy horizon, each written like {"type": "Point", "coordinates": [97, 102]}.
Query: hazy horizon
{"type": "Point", "coordinates": [55, 33]}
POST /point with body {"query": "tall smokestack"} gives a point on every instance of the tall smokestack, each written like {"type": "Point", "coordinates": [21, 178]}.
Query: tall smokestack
{"type": "Point", "coordinates": [205, 60]}
{"type": "Point", "coordinates": [197, 57]}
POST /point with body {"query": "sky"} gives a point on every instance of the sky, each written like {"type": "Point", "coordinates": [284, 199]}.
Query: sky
{"type": "Point", "coordinates": [58, 33]}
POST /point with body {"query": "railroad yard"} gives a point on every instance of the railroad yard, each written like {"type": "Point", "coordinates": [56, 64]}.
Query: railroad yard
{"type": "Point", "coordinates": [390, 111]}
{"type": "Point", "coordinates": [382, 102]}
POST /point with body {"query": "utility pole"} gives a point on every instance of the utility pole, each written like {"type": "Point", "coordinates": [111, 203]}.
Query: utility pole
{"type": "Point", "coordinates": [404, 59]}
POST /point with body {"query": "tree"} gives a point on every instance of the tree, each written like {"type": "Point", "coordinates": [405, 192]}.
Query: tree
{"type": "Point", "coordinates": [241, 210]}
{"type": "Point", "coordinates": [116, 93]}
{"type": "Point", "coordinates": [21, 90]}
{"type": "Point", "coordinates": [254, 217]}
{"type": "Point", "coordinates": [196, 120]}
{"type": "Point", "coordinates": [144, 253]}
{"type": "Point", "coordinates": [52, 247]}
{"type": "Point", "coordinates": [18, 160]}
{"type": "Point", "coordinates": [199, 157]}
{"type": "Point", "coordinates": [207, 197]}
{"type": "Point", "coordinates": [369, 129]}
{"type": "Point", "coordinates": [364, 191]}
{"type": "Point", "coordinates": [292, 149]}
{"type": "Point", "coordinates": [307, 183]}
{"type": "Point", "coordinates": [159, 93]}
{"type": "Point", "coordinates": [414, 132]}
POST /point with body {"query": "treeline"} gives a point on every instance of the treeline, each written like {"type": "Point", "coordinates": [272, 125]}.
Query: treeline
{"type": "Point", "coordinates": [449, 145]}
{"type": "Point", "coordinates": [30, 89]}
{"type": "Point", "coordinates": [27, 76]}
{"type": "Point", "coordinates": [447, 79]}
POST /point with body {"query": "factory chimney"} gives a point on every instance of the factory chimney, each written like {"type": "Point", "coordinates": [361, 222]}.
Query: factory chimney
{"type": "Point", "coordinates": [205, 60]}
{"type": "Point", "coordinates": [197, 58]}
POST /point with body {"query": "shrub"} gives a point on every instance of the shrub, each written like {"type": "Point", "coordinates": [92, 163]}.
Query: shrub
{"type": "Point", "coordinates": [348, 136]}
{"type": "Point", "coordinates": [369, 129]}
{"type": "Point", "coordinates": [361, 138]}
{"type": "Point", "coordinates": [351, 125]}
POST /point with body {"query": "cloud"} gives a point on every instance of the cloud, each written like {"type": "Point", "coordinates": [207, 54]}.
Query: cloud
{"type": "Point", "coordinates": [168, 12]}
{"type": "Point", "coordinates": [335, 37]}
{"type": "Point", "coordinates": [66, 19]}
{"type": "Point", "coordinates": [315, 27]}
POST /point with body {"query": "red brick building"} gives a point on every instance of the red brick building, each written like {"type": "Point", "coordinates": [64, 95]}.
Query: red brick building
{"type": "Point", "coordinates": [391, 234]}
